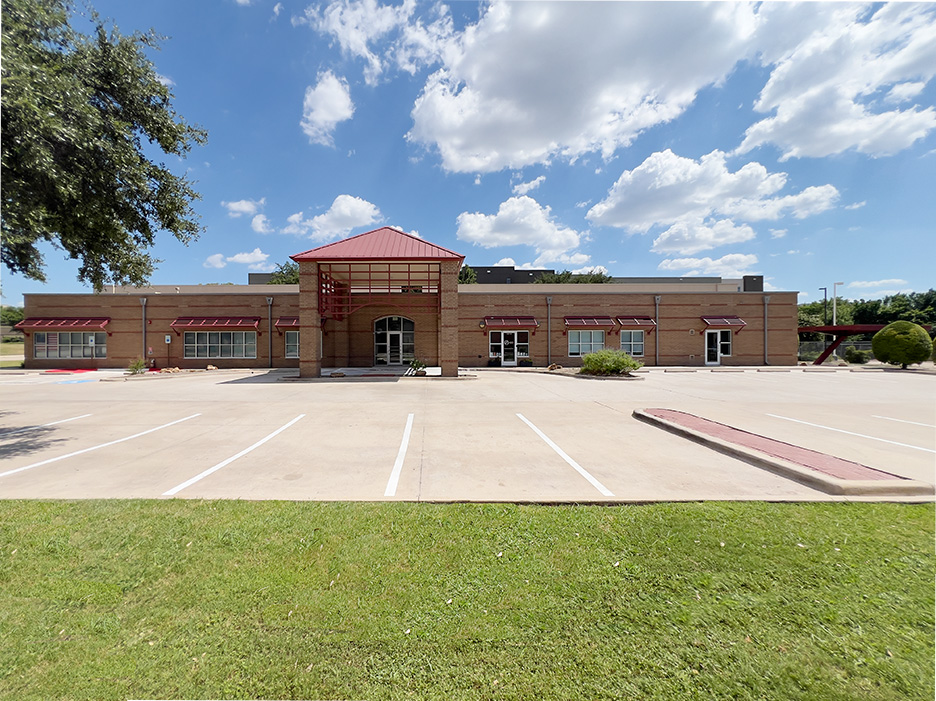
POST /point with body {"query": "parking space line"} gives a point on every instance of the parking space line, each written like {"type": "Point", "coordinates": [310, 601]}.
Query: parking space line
{"type": "Point", "coordinates": [562, 454]}
{"type": "Point", "coordinates": [33, 428]}
{"type": "Point", "coordinates": [401, 455]}
{"type": "Point", "coordinates": [188, 483]}
{"type": "Point", "coordinates": [915, 423]}
{"type": "Point", "coordinates": [96, 447]}
{"type": "Point", "coordinates": [850, 433]}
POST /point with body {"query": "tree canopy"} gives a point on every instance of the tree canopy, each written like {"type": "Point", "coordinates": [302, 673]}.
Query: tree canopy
{"type": "Point", "coordinates": [568, 277]}
{"type": "Point", "coordinates": [467, 276]}
{"type": "Point", "coordinates": [902, 343]}
{"type": "Point", "coordinates": [76, 111]}
{"type": "Point", "coordinates": [285, 274]}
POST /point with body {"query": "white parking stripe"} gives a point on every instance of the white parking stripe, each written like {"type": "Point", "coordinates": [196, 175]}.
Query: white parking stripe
{"type": "Point", "coordinates": [915, 423]}
{"type": "Point", "coordinates": [860, 435]}
{"type": "Point", "coordinates": [96, 447]}
{"type": "Point", "coordinates": [211, 470]}
{"type": "Point", "coordinates": [401, 455]}
{"type": "Point", "coordinates": [562, 454]}
{"type": "Point", "coordinates": [33, 428]}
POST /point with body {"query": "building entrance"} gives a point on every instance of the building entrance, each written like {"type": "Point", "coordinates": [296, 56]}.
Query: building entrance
{"type": "Point", "coordinates": [394, 341]}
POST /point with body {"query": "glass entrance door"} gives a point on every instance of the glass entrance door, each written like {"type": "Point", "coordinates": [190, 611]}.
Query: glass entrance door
{"type": "Point", "coordinates": [510, 348]}
{"type": "Point", "coordinates": [394, 340]}
{"type": "Point", "coordinates": [711, 348]}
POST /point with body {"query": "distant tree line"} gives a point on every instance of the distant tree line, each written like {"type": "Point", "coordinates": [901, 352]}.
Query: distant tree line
{"type": "Point", "coordinates": [917, 307]}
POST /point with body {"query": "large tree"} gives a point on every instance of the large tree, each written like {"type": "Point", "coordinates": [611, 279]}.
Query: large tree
{"type": "Point", "coordinates": [77, 110]}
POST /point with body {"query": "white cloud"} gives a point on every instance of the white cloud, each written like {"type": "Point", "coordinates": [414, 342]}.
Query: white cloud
{"type": "Point", "coordinates": [165, 80]}
{"type": "Point", "coordinates": [324, 107]}
{"type": "Point", "coordinates": [591, 269]}
{"type": "Point", "coordinates": [214, 261]}
{"type": "Point", "coordinates": [522, 221]}
{"type": "Point", "coordinates": [826, 90]}
{"type": "Point", "coordinates": [877, 283]}
{"type": "Point", "coordinates": [531, 82]}
{"type": "Point", "coordinates": [688, 236]}
{"type": "Point", "coordinates": [506, 262]}
{"type": "Point", "coordinates": [277, 9]}
{"type": "Point", "coordinates": [699, 201]}
{"type": "Point", "coordinates": [777, 233]}
{"type": "Point", "coordinates": [254, 256]}
{"type": "Point", "coordinates": [261, 224]}
{"type": "Point", "coordinates": [242, 207]}
{"type": "Point", "coordinates": [525, 188]}
{"type": "Point", "coordinates": [255, 260]}
{"type": "Point", "coordinates": [856, 205]}
{"type": "Point", "coordinates": [346, 213]}
{"type": "Point", "coordinates": [354, 24]}
{"type": "Point", "coordinates": [731, 265]}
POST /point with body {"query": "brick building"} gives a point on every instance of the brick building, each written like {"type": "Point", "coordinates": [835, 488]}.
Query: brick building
{"type": "Point", "coordinates": [385, 297]}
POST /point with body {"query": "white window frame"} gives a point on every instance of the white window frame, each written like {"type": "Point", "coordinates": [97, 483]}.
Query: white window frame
{"type": "Point", "coordinates": [291, 347]}
{"type": "Point", "coordinates": [219, 345]}
{"type": "Point", "coordinates": [582, 343]}
{"type": "Point", "coordinates": [54, 345]}
{"type": "Point", "coordinates": [630, 342]}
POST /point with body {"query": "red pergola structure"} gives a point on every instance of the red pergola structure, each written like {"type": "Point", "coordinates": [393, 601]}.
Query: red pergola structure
{"type": "Point", "coordinates": [841, 332]}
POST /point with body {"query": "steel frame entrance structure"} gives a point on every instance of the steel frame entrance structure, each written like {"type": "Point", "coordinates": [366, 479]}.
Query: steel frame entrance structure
{"type": "Point", "coordinates": [345, 287]}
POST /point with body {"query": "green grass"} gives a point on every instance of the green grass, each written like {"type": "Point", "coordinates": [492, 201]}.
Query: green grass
{"type": "Point", "coordinates": [12, 348]}
{"type": "Point", "coordinates": [190, 599]}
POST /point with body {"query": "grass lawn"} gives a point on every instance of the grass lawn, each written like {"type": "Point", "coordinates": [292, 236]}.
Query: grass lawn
{"type": "Point", "coordinates": [227, 599]}
{"type": "Point", "coordinates": [11, 348]}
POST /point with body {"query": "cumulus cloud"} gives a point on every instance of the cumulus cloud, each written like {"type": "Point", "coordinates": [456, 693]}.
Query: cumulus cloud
{"type": "Point", "coordinates": [324, 107]}
{"type": "Point", "coordinates": [261, 224]}
{"type": "Point", "coordinates": [243, 207]}
{"type": "Point", "coordinates": [254, 260]}
{"type": "Point", "coordinates": [506, 262]}
{"type": "Point", "coordinates": [699, 201]}
{"type": "Point", "coordinates": [865, 284]}
{"type": "Point", "coordinates": [525, 188]}
{"type": "Point", "coordinates": [215, 261]}
{"type": "Point", "coordinates": [522, 221]}
{"type": "Point", "coordinates": [346, 213]}
{"type": "Point", "coordinates": [828, 91]}
{"type": "Point", "coordinates": [731, 265]}
{"type": "Point", "coordinates": [778, 233]}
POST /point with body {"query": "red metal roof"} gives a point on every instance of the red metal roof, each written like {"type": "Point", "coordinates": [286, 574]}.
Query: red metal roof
{"type": "Point", "coordinates": [725, 321]}
{"type": "Point", "coordinates": [63, 323]}
{"type": "Point", "coordinates": [287, 322]}
{"type": "Point", "coordinates": [216, 322]}
{"type": "Point", "coordinates": [511, 322]}
{"type": "Point", "coordinates": [582, 322]}
{"type": "Point", "coordinates": [635, 321]}
{"type": "Point", "coordinates": [380, 244]}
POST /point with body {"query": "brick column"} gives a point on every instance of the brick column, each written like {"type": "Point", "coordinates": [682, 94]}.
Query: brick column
{"type": "Point", "coordinates": [448, 318]}
{"type": "Point", "coordinates": [310, 321]}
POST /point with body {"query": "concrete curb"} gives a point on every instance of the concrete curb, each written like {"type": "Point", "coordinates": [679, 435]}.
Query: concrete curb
{"type": "Point", "coordinates": [798, 473]}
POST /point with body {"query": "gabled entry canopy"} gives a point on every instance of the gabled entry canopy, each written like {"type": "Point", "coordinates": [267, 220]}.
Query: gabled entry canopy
{"type": "Point", "coordinates": [378, 267]}
{"type": "Point", "coordinates": [385, 243]}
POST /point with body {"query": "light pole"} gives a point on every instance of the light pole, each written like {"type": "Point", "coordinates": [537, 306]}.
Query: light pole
{"type": "Point", "coordinates": [834, 299]}
{"type": "Point", "coordinates": [825, 315]}
{"type": "Point", "coordinates": [834, 306]}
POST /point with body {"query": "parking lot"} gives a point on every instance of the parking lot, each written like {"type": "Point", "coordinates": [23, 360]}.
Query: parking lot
{"type": "Point", "coordinates": [492, 436]}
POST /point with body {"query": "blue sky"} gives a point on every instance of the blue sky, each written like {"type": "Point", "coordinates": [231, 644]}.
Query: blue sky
{"type": "Point", "coordinates": [793, 141]}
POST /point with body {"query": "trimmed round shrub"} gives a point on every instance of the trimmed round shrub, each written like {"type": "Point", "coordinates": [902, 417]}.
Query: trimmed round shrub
{"type": "Point", "coordinates": [902, 343]}
{"type": "Point", "coordinates": [609, 362]}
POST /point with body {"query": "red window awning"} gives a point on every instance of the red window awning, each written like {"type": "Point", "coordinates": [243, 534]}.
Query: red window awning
{"type": "Point", "coordinates": [588, 322]}
{"type": "Point", "coordinates": [725, 322]}
{"type": "Point", "coordinates": [645, 323]}
{"type": "Point", "coordinates": [510, 322]}
{"type": "Point", "coordinates": [63, 323]}
{"type": "Point", "coordinates": [204, 323]}
{"type": "Point", "coordinates": [287, 322]}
